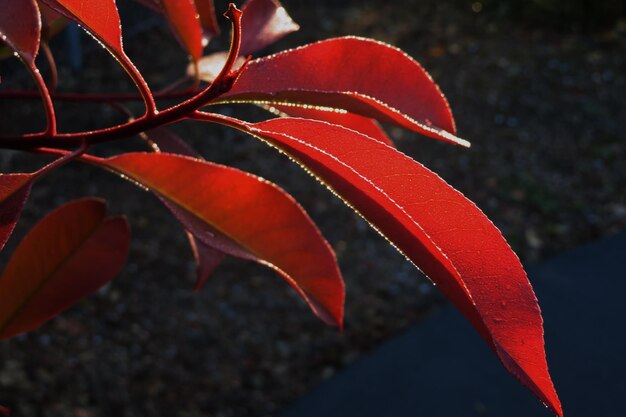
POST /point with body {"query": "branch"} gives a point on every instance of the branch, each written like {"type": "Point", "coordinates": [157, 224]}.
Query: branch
{"type": "Point", "coordinates": [51, 128]}
{"type": "Point", "coordinates": [184, 110]}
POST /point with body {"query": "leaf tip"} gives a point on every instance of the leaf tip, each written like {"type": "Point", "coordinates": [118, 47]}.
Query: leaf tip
{"type": "Point", "coordinates": [536, 378]}
{"type": "Point", "coordinates": [454, 139]}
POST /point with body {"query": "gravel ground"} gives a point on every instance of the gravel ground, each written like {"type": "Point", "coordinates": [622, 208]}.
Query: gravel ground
{"type": "Point", "coordinates": [542, 107]}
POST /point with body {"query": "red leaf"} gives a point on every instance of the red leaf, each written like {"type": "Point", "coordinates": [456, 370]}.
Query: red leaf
{"type": "Point", "coordinates": [14, 191]}
{"type": "Point", "coordinates": [100, 18]}
{"type": "Point", "coordinates": [206, 10]}
{"type": "Point", "coordinates": [263, 23]}
{"type": "Point", "coordinates": [183, 17]}
{"type": "Point", "coordinates": [68, 255]}
{"type": "Point", "coordinates": [362, 76]}
{"type": "Point", "coordinates": [437, 228]}
{"type": "Point", "coordinates": [207, 258]}
{"type": "Point", "coordinates": [211, 65]}
{"type": "Point", "coordinates": [6, 411]}
{"type": "Point", "coordinates": [20, 27]}
{"type": "Point", "coordinates": [352, 121]}
{"type": "Point", "coordinates": [245, 216]}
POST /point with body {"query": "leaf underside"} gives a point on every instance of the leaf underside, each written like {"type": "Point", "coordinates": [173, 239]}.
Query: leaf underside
{"type": "Point", "coordinates": [68, 255]}
{"type": "Point", "coordinates": [14, 191]}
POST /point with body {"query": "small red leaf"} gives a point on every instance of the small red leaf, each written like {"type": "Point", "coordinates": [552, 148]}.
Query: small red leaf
{"type": "Point", "coordinates": [100, 18]}
{"type": "Point", "coordinates": [20, 27]}
{"type": "Point", "coordinates": [206, 10]}
{"type": "Point", "coordinates": [245, 216]}
{"type": "Point", "coordinates": [369, 127]}
{"type": "Point", "coordinates": [360, 75]}
{"type": "Point", "coordinates": [183, 17]}
{"type": "Point", "coordinates": [68, 255]}
{"type": "Point", "coordinates": [5, 410]}
{"type": "Point", "coordinates": [14, 191]}
{"type": "Point", "coordinates": [437, 228]}
{"type": "Point", "coordinates": [263, 23]}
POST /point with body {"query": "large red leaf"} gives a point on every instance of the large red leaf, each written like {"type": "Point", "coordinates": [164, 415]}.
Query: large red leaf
{"type": "Point", "coordinates": [183, 17]}
{"type": "Point", "coordinates": [68, 255]}
{"type": "Point", "coordinates": [14, 191]}
{"type": "Point", "coordinates": [245, 216]}
{"type": "Point", "coordinates": [359, 75]}
{"type": "Point", "coordinates": [100, 18]}
{"type": "Point", "coordinates": [20, 27]}
{"type": "Point", "coordinates": [369, 127]}
{"type": "Point", "coordinates": [211, 65]}
{"type": "Point", "coordinates": [263, 23]}
{"type": "Point", "coordinates": [207, 258]}
{"type": "Point", "coordinates": [437, 228]}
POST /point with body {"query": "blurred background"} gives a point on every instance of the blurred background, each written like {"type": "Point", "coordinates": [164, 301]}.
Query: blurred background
{"type": "Point", "coordinates": [537, 86]}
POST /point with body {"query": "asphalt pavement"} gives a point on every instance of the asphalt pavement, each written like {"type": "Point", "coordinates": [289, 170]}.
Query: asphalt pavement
{"type": "Point", "coordinates": [440, 366]}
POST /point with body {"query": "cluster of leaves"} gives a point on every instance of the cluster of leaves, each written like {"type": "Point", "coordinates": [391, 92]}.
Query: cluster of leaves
{"type": "Point", "coordinates": [328, 97]}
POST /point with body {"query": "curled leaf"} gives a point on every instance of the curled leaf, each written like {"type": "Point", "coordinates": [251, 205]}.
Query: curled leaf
{"type": "Point", "coordinates": [67, 256]}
